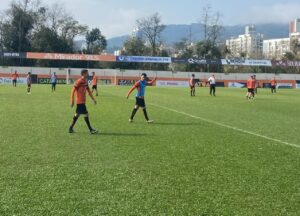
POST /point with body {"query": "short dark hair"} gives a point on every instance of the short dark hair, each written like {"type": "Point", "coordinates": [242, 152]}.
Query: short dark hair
{"type": "Point", "coordinates": [144, 74]}
{"type": "Point", "coordinates": [84, 71]}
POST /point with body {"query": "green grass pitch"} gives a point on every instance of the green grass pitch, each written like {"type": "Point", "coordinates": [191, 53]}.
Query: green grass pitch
{"type": "Point", "coordinates": [203, 155]}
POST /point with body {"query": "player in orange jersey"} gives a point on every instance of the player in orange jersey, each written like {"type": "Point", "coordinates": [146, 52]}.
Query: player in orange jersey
{"type": "Point", "coordinates": [14, 78]}
{"type": "Point", "coordinates": [80, 88]}
{"type": "Point", "coordinates": [273, 84]}
{"type": "Point", "coordinates": [94, 84]}
{"type": "Point", "coordinates": [250, 87]}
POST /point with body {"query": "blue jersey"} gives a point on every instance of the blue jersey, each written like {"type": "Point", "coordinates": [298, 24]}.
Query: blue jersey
{"type": "Point", "coordinates": [141, 87]}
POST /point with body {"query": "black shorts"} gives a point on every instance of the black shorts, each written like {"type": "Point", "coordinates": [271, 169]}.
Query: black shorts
{"type": "Point", "coordinates": [29, 85]}
{"type": "Point", "coordinates": [250, 90]}
{"type": "Point", "coordinates": [140, 102]}
{"type": "Point", "coordinates": [14, 81]}
{"type": "Point", "coordinates": [192, 87]}
{"type": "Point", "coordinates": [94, 87]}
{"type": "Point", "coordinates": [81, 109]}
{"type": "Point", "coordinates": [53, 84]}
{"type": "Point", "coordinates": [273, 87]}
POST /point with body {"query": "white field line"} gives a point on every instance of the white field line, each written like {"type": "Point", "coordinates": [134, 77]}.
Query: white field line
{"type": "Point", "coordinates": [227, 126]}
{"type": "Point", "coordinates": [221, 124]}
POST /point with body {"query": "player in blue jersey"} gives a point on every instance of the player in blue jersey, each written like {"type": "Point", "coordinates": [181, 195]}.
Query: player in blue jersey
{"type": "Point", "coordinates": [140, 96]}
{"type": "Point", "coordinates": [53, 80]}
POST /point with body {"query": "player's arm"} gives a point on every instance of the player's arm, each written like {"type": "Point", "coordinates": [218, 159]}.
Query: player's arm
{"type": "Point", "coordinates": [152, 81]}
{"type": "Point", "coordinates": [132, 89]}
{"type": "Point", "coordinates": [72, 96]}
{"type": "Point", "coordinates": [91, 95]}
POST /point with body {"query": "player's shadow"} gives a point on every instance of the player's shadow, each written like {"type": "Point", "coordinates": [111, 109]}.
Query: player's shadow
{"type": "Point", "coordinates": [123, 134]}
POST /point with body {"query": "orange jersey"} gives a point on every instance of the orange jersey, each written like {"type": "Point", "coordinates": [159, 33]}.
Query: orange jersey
{"type": "Point", "coordinates": [273, 82]}
{"type": "Point", "coordinates": [254, 83]}
{"type": "Point", "coordinates": [94, 81]}
{"type": "Point", "coordinates": [80, 87]}
{"type": "Point", "coordinates": [14, 76]}
{"type": "Point", "coordinates": [250, 83]}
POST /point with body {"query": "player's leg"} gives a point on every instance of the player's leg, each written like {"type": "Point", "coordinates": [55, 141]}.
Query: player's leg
{"type": "Point", "coordinates": [134, 111]}
{"type": "Point", "coordinates": [214, 90]}
{"type": "Point", "coordinates": [194, 90]}
{"type": "Point", "coordinates": [28, 89]}
{"type": "Point", "coordinates": [75, 118]}
{"type": "Point", "coordinates": [143, 106]}
{"type": "Point", "coordinates": [87, 121]}
{"type": "Point", "coordinates": [253, 93]}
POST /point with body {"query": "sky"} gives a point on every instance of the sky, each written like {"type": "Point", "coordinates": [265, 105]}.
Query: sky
{"type": "Point", "coordinates": [118, 17]}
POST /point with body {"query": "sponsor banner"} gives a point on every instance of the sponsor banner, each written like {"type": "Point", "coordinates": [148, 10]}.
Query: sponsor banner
{"type": "Point", "coordinates": [246, 62]}
{"type": "Point", "coordinates": [13, 54]}
{"type": "Point", "coordinates": [286, 63]}
{"type": "Point", "coordinates": [172, 83]}
{"type": "Point", "coordinates": [197, 61]}
{"type": "Point", "coordinates": [71, 57]}
{"type": "Point", "coordinates": [236, 85]}
{"type": "Point", "coordinates": [48, 81]}
{"type": "Point", "coordinates": [126, 82]}
{"type": "Point", "coordinates": [5, 80]}
{"type": "Point", "coordinates": [284, 85]}
{"type": "Point", "coordinates": [144, 59]}
{"type": "Point", "coordinates": [298, 86]}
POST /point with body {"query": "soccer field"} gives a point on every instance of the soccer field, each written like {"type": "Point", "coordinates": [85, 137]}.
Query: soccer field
{"type": "Point", "coordinates": [204, 155]}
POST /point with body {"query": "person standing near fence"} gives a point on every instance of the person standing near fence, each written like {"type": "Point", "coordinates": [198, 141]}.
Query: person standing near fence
{"type": "Point", "coordinates": [14, 78]}
{"type": "Point", "coordinates": [192, 84]}
{"type": "Point", "coordinates": [273, 84]}
{"type": "Point", "coordinates": [255, 84]}
{"type": "Point", "coordinates": [212, 84]}
{"type": "Point", "coordinates": [29, 82]}
{"type": "Point", "coordinates": [250, 87]}
{"type": "Point", "coordinates": [53, 81]}
{"type": "Point", "coordinates": [94, 84]}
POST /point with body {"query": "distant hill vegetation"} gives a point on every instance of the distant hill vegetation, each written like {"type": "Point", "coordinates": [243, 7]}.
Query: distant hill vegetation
{"type": "Point", "coordinates": [174, 33]}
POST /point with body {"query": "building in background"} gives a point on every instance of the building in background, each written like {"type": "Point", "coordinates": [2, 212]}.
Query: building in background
{"type": "Point", "coordinates": [277, 48]}
{"type": "Point", "coordinates": [248, 45]}
{"type": "Point", "coordinates": [295, 26]}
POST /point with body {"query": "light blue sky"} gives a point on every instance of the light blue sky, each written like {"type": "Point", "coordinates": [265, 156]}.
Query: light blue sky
{"type": "Point", "coordinates": [117, 17]}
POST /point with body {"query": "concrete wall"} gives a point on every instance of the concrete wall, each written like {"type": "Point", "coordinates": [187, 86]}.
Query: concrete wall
{"type": "Point", "coordinates": [136, 73]}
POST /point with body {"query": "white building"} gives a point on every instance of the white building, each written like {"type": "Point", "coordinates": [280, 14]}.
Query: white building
{"type": "Point", "coordinates": [276, 48]}
{"type": "Point", "coordinates": [249, 44]}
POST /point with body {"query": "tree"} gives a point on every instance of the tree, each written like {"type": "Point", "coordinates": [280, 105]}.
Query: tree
{"type": "Point", "coordinates": [95, 41]}
{"type": "Point", "coordinates": [134, 46]}
{"type": "Point", "coordinates": [16, 29]}
{"type": "Point", "coordinates": [151, 28]}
